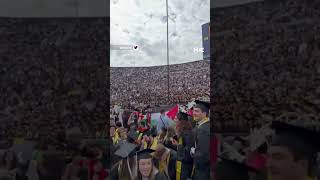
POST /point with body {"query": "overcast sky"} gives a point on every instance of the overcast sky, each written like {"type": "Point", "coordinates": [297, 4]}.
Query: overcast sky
{"type": "Point", "coordinates": [140, 22]}
{"type": "Point", "coordinates": [143, 23]}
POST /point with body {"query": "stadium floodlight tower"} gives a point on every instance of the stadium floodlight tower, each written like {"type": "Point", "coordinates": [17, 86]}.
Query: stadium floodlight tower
{"type": "Point", "coordinates": [168, 67]}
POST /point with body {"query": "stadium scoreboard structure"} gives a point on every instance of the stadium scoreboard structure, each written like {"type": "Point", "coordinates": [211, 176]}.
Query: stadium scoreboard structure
{"type": "Point", "coordinates": [206, 40]}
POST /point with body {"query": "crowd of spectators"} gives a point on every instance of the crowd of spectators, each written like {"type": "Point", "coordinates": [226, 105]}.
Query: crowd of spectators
{"type": "Point", "coordinates": [53, 73]}
{"type": "Point", "coordinates": [53, 70]}
{"type": "Point", "coordinates": [149, 85]}
{"type": "Point", "coordinates": [265, 62]}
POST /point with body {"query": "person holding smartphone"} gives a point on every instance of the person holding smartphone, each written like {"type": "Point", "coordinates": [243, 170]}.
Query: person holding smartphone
{"type": "Point", "coordinates": [183, 142]}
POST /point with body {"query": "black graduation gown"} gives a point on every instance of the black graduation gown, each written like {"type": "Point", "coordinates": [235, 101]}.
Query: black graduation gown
{"type": "Point", "coordinates": [171, 164]}
{"type": "Point", "coordinates": [114, 172]}
{"type": "Point", "coordinates": [183, 155]}
{"type": "Point", "coordinates": [167, 143]}
{"type": "Point", "coordinates": [201, 158]}
{"type": "Point", "coordinates": [161, 176]}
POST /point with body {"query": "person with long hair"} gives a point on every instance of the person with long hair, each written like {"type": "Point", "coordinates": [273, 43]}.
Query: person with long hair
{"type": "Point", "coordinates": [122, 170]}
{"type": "Point", "coordinates": [167, 139]}
{"type": "Point", "coordinates": [165, 161]}
{"type": "Point", "coordinates": [146, 169]}
{"type": "Point", "coordinates": [125, 168]}
{"type": "Point", "coordinates": [162, 135]}
{"type": "Point", "coordinates": [183, 142]}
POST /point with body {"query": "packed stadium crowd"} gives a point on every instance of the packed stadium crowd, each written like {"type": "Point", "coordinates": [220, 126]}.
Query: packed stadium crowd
{"type": "Point", "coordinates": [53, 95]}
{"type": "Point", "coordinates": [266, 108]}
{"type": "Point", "coordinates": [172, 143]}
{"type": "Point", "coordinates": [265, 54]}
{"type": "Point", "coordinates": [149, 85]}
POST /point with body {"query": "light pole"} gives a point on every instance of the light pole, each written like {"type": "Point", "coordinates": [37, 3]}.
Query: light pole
{"type": "Point", "coordinates": [168, 52]}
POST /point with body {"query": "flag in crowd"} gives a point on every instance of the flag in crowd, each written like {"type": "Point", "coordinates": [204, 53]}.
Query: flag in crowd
{"type": "Point", "coordinates": [166, 140]}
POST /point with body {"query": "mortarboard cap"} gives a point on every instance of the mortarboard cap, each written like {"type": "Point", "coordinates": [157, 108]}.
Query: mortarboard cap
{"type": "Point", "coordinates": [239, 171]}
{"type": "Point", "coordinates": [126, 149]}
{"type": "Point", "coordinates": [295, 138]}
{"type": "Point", "coordinates": [202, 103]}
{"type": "Point", "coordinates": [145, 154]}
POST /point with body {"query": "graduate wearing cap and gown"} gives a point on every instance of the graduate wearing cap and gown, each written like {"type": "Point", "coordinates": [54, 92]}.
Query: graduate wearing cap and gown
{"type": "Point", "coordinates": [165, 161]}
{"type": "Point", "coordinates": [201, 149]}
{"type": "Point", "coordinates": [227, 169]}
{"type": "Point", "coordinates": [293, 153]}
{"type": "Point", "coordinates": [146, 169]}
{"type": "Point", "coordinates": [125, 168]}
{"type": "Point", "coordinates": [184, 142]}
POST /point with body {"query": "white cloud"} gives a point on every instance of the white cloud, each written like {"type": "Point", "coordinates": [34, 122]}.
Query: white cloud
{"type": "Point", "coordinates": [141, 22]}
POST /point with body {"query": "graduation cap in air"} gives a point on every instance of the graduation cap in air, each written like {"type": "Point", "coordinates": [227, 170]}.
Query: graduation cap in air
{"type": "Point", "coordinates": [227, 169]}
{"type": "Point", "coordinates": [145, 154]}
{"type": "Point", "coordinates": [298, 139]}
{"type": "Point", "coordinates": [125, 149]}
{"type": "Point", "coordinates": [203, 104]}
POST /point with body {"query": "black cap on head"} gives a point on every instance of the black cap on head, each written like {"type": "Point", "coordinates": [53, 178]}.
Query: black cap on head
{"type": "Point", "coordinates": [297, 139]}
{"type": "Point", "coordinates": [145, 154]}
{"type": "Point", "coordinates": [203, 105]}
{"type": "Point", "coordinates": [126, 149]}
{"type": "Point", "coordinates": [239, 171]}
